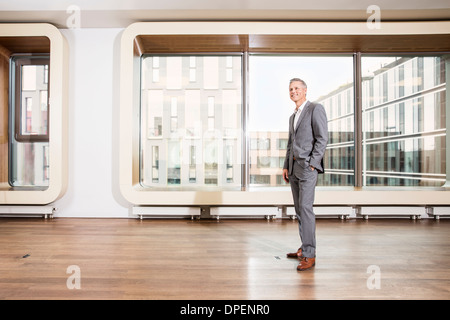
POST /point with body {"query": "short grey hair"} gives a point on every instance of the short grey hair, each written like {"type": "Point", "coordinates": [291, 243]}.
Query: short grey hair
{"type": "Point", "coordinates": [299, 80]}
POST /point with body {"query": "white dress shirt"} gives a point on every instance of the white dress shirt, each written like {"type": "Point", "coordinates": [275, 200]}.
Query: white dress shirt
{"type": "Point", "coordinates": [297, 113]}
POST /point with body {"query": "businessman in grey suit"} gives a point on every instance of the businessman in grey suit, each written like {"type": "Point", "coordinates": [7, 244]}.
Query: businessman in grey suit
{"type": "Point", "coordinates": [308, 137]}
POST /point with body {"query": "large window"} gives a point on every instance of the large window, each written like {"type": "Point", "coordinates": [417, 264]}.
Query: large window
{"type": "Point", "coordinates": [330, 82]}
{"type": "Point", "coordinates": [191, 121]}
{"type": "Point", "coordinates": [403, 101]}
{"type": "Point", "coordinates": [203, 126]}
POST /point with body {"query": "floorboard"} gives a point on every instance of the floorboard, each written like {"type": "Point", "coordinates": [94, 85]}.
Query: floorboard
{"type": "Point", "coordinates": [228, 259]}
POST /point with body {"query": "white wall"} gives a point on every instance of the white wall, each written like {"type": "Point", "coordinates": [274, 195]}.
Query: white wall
{"type": "Point", "coordinates": [120, 14]}
{"type": "Point", "coordinates": [93, 130]}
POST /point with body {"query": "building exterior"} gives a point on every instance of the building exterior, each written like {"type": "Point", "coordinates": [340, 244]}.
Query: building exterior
{"type": "Point", "coordinates": [191, 115]}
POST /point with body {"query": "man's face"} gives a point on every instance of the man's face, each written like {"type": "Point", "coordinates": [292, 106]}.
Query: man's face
{"type": "Point", "coordinates": [297, 92]}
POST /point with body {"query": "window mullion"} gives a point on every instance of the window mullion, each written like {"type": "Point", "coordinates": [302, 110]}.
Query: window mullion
{"type": "Point", "coordinates": [358, 120]}
{"type": "Point", "coordinates": [245, 134]}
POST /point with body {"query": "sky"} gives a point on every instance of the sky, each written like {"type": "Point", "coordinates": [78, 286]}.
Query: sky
{"type": "Point", "coordinates": [270, 105]}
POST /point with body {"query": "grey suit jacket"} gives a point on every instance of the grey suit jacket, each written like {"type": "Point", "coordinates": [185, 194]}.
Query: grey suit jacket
{"type": "Point", "coordinates": [308, 140]}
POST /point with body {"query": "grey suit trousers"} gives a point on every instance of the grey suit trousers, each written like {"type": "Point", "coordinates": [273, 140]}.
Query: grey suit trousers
{"type": "Point", "coordinates": [303, 184]}
{"type": "Point", "coordinates": [306, 148]}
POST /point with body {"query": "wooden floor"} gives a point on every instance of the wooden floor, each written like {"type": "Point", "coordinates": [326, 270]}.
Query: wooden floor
{"type": "Point", "coordinates": [226, 259]}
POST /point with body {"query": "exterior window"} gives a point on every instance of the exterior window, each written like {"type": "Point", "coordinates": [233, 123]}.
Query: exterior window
{"type": "Point", "coordinates": [211, 113]}
{"type": "Point", "coordinates": [192, 69]}
{"type": "Point", "coordinates": [155, 164]}
{"type": "Point", "coordinates": [31, 99]}
{"type": "Point", "coordinates": [403, 129]}
{"type": "Point", "coordinates": [230, 164]}
{"type": "Point", "coordinates": [193, 119]}
{"type": "Point", "coordinates": [270, 109]}
{"type": "Point", "coordinates": [211, 161]}
{"type": "Point", "coordinates": [173, 114]}
{"type": "Point", "coordinates": [192, 165]}
{"type": "Point", "coordinates": [282, 144]}
{"type": "Point", "coordinates": [155, 69]}
{"type": "Point", "coordinates": [29, 131]}
{"type": "Point", "coordinates": [260, 179]}
{"type": "Point", "coordinates": [193, 114]}
{"type": "Point", "coordinates": [260, 144]}
{"type": "Point", "coordinates": [174, 163]}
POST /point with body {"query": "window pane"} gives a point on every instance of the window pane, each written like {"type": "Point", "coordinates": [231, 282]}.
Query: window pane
{"type": "Point", "coordinates": [404, 121]}
{"type": "Point", "coordinates": [330, 82]}
{"type": "Point", "coordinates": [193, 115]}
{"type": "Point", "coordinates": [28, 137]}
{"type": "Point", "coordinates": [31, 165]}
{"type": "Point", "coordinates": [33, 113]}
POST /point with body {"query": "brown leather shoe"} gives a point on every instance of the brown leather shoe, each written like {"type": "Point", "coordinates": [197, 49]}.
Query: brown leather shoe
{"type": "Point", "coordinates": [306, 264]}
{"type": "Point", "coordinates": [296, 255]}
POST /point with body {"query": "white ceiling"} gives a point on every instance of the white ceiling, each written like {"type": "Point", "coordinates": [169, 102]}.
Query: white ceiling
{"type": "Point", "coordinates": [115, 13]}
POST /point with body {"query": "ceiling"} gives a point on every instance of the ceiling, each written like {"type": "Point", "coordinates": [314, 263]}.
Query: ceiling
{"type": "Point", "coordinates": [120, 14]}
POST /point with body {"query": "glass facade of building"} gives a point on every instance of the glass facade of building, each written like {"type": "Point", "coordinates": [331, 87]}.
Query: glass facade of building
{"type": "Point", "coordinates": [404, 132]}
{"type": "Point", "coordinates": [191, 121]}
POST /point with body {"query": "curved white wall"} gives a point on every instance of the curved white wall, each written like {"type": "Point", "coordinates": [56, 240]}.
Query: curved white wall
{"type": "Point", "coordinates": [324, 196]}
{"type": "Point", "coordinates": [97, 182]}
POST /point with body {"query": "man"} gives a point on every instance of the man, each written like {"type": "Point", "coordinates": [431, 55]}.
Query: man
{"type": "Point", "coordinates": [308, 137]}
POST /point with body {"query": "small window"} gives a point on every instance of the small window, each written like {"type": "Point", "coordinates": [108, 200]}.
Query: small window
{"type": "Point", "coordinates": [282, 144]}
{"type": "Point", "coordinates": [31, 107]}
{"type": "Point", "coordinates": [260, 144]}
{"type": "Point", "coordinates": [29, 121]}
